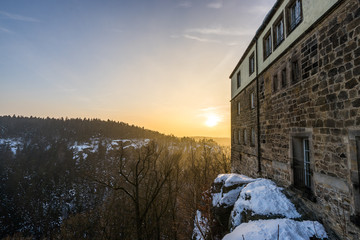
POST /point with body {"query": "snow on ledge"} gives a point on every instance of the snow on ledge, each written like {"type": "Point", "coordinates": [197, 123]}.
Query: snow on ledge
{"type": "Point", "coordinates": [226, 199]}
{"type": "Point", "coordinates": [232, 179]}
{"type": "Point", "coordinates": [229, 198]}
{"type": "Point", "coordinates": [268, 229]}
{"type": "Point", "coordinates": [262, 197]}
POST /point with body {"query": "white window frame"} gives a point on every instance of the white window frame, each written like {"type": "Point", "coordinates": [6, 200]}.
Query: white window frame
{"type": "Point", "coordinates": [252, 64]}
{"type": "Point", "coordinates": [267, 48]}
{"type": "Point", "coordinates": [279, 31]}
{"type": "Point", "coordinates": [293, 15]}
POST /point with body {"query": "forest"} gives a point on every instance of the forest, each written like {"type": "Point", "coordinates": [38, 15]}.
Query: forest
{"type": "Point", "coordinates": [94, 179]}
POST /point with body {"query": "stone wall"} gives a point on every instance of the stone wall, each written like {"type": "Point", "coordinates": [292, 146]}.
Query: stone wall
{"type": "Point", "coordinates": [323, 105]}
{"type": "Point", "coordinates": [244, 155]}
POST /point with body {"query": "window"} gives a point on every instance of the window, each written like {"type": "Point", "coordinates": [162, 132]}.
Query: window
{"type": "Point", "coordinates": [294, 15]}
{"type": "Point", "coordinates": [252, 136]}
{"type": "Point", "coordinates": [275, 83]}
{"type": "Point", "coordinates": [283, 78]}
{"type": "Point", "coordinates": [238, 79]}
{"type": "Point", "coordinates": [239, 136]}
{"type": "Point", "coordinates": [245, 137]}
{"type": "Point", "coordinates": [234, 137]}
{"type": "Point", "coordinates": [301, 164]}
{"type": "Point", "coordinates": [252, 103]}
{"type": "Point", "coordinates": [251, 64]}
{"type": "Point", "coordinates": [278, 29]}
{"type": "Point", "coordinates": [295, 72]}
{"type": "Point", "coordinates": [238, 108]}
{"type": "Point", "coordinates": [267, 44]}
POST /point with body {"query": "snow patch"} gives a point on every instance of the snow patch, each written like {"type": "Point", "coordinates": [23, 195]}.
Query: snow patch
{"type": "Point", "coordinates": [138, 143]}
{"type": "Point", "coordinates": [13, 143]}
{"type": "Point", "coordinates": [269, 229]}
{"type": "Point", "coordinates": [262, 197]}
{"type": "Point", "coordinates": [226, 199]}
{"type": "Point", "coordinates": [201, 227]}
{"type": "Point", "coordinates": [231, 179]}
{"type": "Point", "coordinates": [229, 198]}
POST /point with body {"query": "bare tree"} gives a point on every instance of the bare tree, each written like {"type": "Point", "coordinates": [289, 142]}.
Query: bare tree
{"type": "Point", "coordinates": [142, 175]}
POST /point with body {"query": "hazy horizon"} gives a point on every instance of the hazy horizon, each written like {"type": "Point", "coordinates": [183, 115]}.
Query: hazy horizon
{"type": "Point", "coordinates": [162, 65]}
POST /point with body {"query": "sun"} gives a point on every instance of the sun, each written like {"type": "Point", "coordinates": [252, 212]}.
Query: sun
{"type": "Point", "coordinates": [212, 120]}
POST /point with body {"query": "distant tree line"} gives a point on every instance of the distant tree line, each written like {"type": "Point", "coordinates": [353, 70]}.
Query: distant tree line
{"type": "Point", "coordinates": [150, 192]}
{"type": "Point", "coordinates": [70, 129]}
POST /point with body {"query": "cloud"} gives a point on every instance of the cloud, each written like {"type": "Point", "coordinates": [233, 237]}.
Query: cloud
{"type": "Point", "coordinates": [65, 89]}
{"type": "Point", "coordinates": [185, 4]}
{"type": "Point", "coordinates": [18, 17]}
{"type": "Point", "coordinates": [4, 30]}
{"type": "Point", "coordinates": [233, 44]}
{"type": "Point", "coordinates": [215, 5]}
{"type": "Point", "coordinates": [220, 31]}
{"type": "Point", "coordinates": [199, 38]}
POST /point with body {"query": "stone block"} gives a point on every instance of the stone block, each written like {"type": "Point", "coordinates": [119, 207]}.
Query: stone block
{"type": "Point", "coordinates": [351, 83]}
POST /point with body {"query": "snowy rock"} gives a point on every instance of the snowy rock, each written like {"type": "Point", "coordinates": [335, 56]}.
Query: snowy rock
{"type": "Point", "coordinates": [261, 199]}
{"type": "Point", "coordinates": [287, 229]}
{"type": "Point", "coordinates": [225, 191]}
{"type": "Point", "coordinates": [255, 209]}
{"type": "Point", "coordinates": [231, 179]}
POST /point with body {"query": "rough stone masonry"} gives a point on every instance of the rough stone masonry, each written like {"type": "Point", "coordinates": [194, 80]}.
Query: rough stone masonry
{"type": "Point", "coordinates": [323, 106]}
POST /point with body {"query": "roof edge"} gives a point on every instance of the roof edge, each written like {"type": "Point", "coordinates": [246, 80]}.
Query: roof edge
{"type": "Point", "coordinates": [265, 22]}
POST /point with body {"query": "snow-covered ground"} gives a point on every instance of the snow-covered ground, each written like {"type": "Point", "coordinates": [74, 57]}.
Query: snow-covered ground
{"type": "Point", "coordinates": [135, 143]}
{"type": "Point", "coordinates": [287, 229]}
{"type": "Point", "coordinates": [14, 143]}
{"type": "Point", "coordinates": [80, 149]}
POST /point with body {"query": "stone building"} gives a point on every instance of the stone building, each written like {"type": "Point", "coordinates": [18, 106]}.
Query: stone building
{"type": "Point", "coordinates": [295, 107]}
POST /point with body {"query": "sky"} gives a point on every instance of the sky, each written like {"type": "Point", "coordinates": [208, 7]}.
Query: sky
{"type": "Point", "coordinates": [159, 64]}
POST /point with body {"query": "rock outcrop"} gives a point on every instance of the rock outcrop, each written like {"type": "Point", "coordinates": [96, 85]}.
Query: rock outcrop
{"type": "Point", "coordinates": [240, 203]}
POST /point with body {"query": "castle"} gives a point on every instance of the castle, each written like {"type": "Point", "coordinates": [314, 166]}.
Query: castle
{"type": "Point", "coordinates": [295, 107]}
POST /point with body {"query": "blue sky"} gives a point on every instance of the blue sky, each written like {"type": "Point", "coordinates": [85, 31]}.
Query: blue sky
{"type": "Point", "coordinates": [160, 64]}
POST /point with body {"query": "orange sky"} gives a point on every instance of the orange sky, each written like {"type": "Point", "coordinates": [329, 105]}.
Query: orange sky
{"type": "Point", "coordinates": [163, 65]}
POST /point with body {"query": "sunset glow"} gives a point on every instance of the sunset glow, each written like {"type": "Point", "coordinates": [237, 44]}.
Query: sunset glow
{"type": "Point", "coordinates": [157, 70]}
{"type": "Point", "coordinates": [212, 121]}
